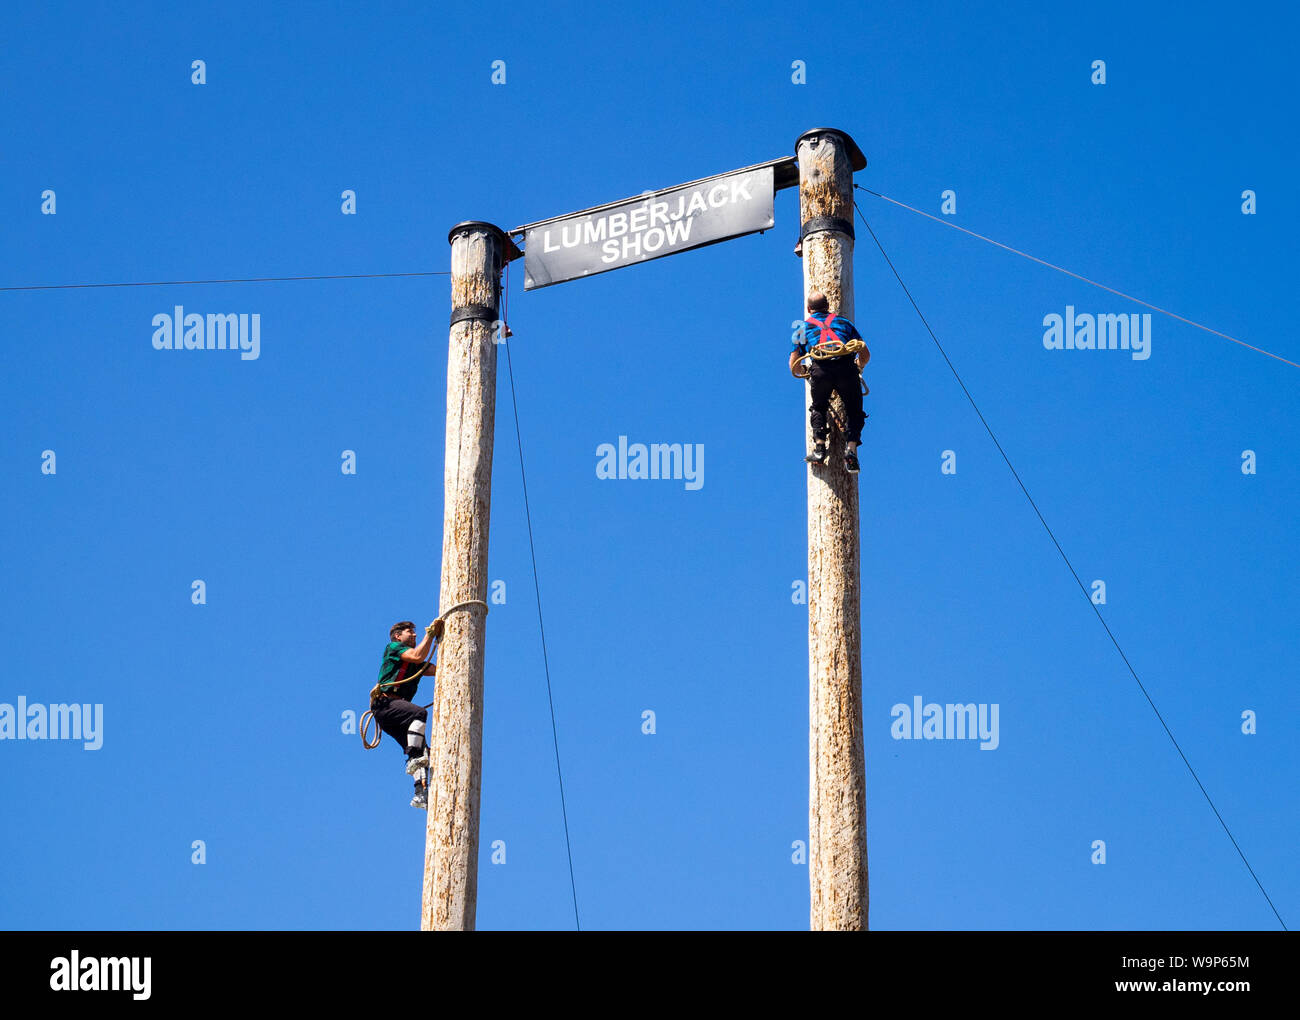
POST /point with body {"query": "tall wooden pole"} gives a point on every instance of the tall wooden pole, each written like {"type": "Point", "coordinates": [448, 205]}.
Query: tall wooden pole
{"type": "Point", "coordinates": [837, 807]}
{"type": "Point", "coordinates": [478, 252]}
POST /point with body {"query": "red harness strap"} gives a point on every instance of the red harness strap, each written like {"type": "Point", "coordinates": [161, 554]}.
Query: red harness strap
{"type": "Point", "coordinates": [391, 686]}
{"type": "Point", "coordinates": [828, 335]}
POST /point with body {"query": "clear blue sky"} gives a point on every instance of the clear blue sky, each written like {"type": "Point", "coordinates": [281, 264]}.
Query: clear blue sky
{"type": "Point", "coordinates": [222, 722]}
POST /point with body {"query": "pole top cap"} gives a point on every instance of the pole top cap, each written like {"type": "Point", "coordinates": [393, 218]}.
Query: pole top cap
{"type": "Point", "coordinates": [508, 247]}
{"type": "Point", "coordinates": [856, 159]}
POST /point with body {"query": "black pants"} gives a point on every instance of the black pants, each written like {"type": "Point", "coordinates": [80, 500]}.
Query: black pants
{"type": "Point", "coordinates": [836, 375]}
{"type": "Point", "coordinates": [394, 716]}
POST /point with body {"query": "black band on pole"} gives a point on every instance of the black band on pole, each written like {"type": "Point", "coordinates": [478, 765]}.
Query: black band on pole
{"type": "Point", "coordinates": [508, 249]}
{"type": "Point", "coordinates": [819, 223]}
{"type": "Point", "coordinates": [465, 312]}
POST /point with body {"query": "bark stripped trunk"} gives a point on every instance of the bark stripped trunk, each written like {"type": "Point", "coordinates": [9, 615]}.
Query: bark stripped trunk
{"type": "Point", "coordinates": [837, 810]}
{"type": "Point", "coordinates": [456, 733]}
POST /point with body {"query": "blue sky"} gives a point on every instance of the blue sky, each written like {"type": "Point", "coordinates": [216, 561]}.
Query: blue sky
{"type": "Point", "coordinates": [222, 721]}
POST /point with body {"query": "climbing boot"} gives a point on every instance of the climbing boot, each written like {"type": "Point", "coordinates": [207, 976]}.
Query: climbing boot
{"type": "Point", "coordinates": [819, 454]}
{"type": "Point", "coordinates": [421, 798]}
{"type": "Point", "coordinates": [851, 463]}
{"type": "Point", "coordinates": [413, 765]}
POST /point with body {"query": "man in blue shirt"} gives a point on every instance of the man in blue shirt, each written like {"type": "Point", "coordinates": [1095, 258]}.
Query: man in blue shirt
{"type": "Point", "coordinates": [832, 370]}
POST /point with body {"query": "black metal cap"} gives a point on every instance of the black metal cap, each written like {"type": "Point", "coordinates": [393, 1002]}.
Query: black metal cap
{"type": "Point", "coordinates": [856, 159]}
{"type": "Point", "coordinates": [508, 247]}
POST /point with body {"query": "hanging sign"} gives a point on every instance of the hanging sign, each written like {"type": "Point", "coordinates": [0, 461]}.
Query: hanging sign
{"type": "Point", "coordinates": [649, 226]}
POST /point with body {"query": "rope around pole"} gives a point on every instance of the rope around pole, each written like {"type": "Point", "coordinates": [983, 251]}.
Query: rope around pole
{"type": "Point", "coordinates": [462, 605]}
{"type": "Point", "coordinates": [443, 618]}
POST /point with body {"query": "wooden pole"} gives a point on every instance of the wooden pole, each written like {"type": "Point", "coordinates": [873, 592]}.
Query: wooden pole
{"type": "Point", "coordinates": [478, 252]}
{"type": "Point", "coordinates": [837, 808]}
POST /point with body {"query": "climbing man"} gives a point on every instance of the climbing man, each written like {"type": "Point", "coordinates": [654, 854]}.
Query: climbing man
{"type": "Point", "coordinates": [390, 699]}
{"type": "Point", "coordinates": [835, 366]}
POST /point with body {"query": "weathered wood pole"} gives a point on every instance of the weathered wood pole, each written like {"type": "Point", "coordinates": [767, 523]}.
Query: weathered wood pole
{"type": "Point", "coordinates": [837, 807]}
{"type": "Point", "coordinates": [478, 253]}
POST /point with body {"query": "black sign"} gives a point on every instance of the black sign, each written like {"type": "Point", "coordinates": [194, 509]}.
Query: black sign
{"type": "Point", "coordinates": [650, 226]}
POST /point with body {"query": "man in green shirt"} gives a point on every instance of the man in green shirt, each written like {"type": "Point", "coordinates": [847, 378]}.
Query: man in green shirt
{"type": "Point", "coordinates": [399, 676]}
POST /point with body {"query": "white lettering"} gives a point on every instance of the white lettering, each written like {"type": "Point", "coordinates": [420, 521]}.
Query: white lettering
{"type": "Point", "coordinates": [679, 231]}
{"type": "Point", "coordinates": [132, 974]}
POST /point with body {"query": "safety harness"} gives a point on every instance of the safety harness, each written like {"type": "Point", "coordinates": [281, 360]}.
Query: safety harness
{"type": "Point", "coordinates": [829, 344]}
{"type": "Point", "coordinates": [382, 690]}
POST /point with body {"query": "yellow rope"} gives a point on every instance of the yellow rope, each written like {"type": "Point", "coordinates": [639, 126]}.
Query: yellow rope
{"type": "Point", "coordinates": [462, 605]}
{"type": "Point", "coordinates": [836, 349]}
{"type": "Point", "coordinates": [861, 381]}
{"type": "Point", "coordinates": [365, 740]}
